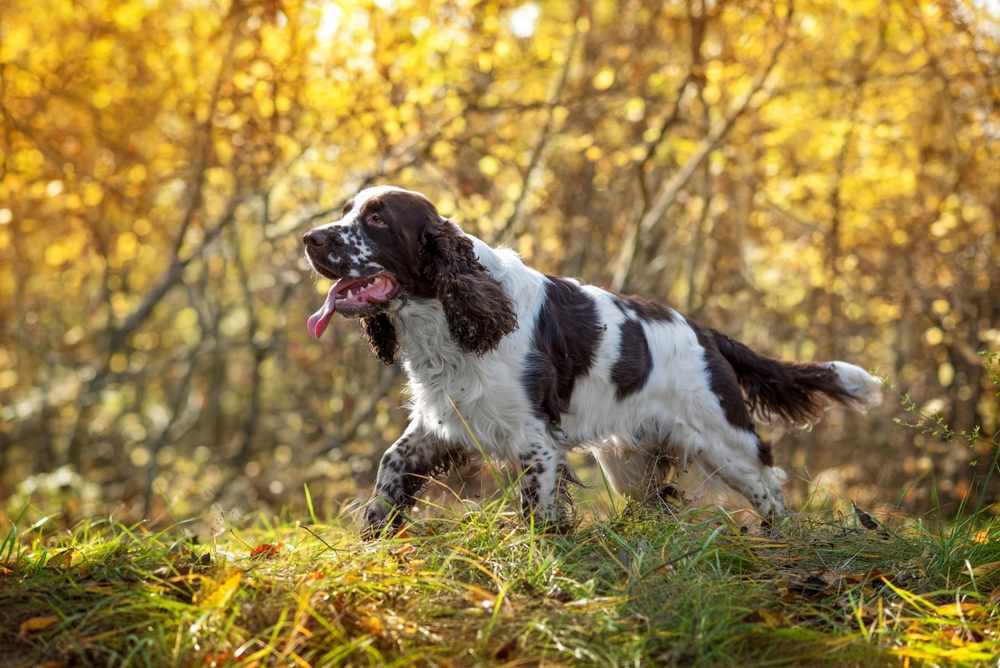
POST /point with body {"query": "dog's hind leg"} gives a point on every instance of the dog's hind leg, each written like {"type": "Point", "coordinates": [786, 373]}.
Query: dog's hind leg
{"type": "Point", "coordinates": [634, 472]}
{"type": "Point", "coordinates": [734, 456]}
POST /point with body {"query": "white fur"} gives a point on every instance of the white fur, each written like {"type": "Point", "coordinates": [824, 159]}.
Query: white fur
{"type": "Point", "coordinates": [865, 388]}
{"type": "Point", "coordinates": [481, 402]}
{"type": "Point", "coordinates": [676, 410]}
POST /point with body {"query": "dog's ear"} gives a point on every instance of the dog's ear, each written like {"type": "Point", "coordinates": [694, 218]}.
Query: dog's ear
{"type": "Point", "coordinates": [478, 311]}
{"type": "Point", "coordinates": [381, 335]}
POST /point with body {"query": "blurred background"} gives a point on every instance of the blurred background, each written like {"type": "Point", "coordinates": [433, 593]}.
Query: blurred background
{"type": "Point", "coordinates": [820, 179]}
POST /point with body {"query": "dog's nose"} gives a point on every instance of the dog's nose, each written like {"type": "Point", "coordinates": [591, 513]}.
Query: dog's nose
{"type": "Point", "coordinates": [313, 238]}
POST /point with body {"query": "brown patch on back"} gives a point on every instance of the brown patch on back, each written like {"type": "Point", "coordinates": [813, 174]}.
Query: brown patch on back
{"type": "Point", "coordinates": [634, 363]}
{"type": "Point", "coordinates": [723, 381]}
{"type": "Point", "coordinates": [567, 333]}
{"type": "Point", "coordinates": [645, 309]}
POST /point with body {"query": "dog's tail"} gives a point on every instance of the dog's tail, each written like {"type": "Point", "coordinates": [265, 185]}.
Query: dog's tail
{"type": "Point", "coordinates": [797, 393]}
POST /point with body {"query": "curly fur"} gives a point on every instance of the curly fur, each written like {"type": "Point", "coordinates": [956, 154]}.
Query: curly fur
{"type": "Point", "coordinates": [478, 310]}
{"type": "Point", "coordinates": [381, 335]}
{"type": "Point", "coordinates": [504, 360]}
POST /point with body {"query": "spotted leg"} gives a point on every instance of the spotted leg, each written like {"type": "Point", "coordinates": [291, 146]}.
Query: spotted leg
{"type": "Point", "coordinates": [545, 477]}
{"type": "Point", "coordinates": [405, 468]}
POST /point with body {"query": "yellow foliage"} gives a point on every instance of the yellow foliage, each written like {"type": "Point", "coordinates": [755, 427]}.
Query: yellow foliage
{"type": "Point", "coordinates": [850, 206]}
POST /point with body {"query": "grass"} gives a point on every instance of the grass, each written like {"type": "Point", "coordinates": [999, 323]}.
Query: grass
{"type": "Point", "coordinates": [642, 587]}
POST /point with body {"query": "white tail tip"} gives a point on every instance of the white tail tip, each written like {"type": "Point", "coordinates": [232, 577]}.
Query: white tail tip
{"type": "Point", "coordinates": [864, 388]}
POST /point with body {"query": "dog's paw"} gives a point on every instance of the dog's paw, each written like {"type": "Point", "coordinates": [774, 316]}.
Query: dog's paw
{"type": "Point", "coordinates": [554, 522]}
{"type": "Point", "coordinates": [380, 518]}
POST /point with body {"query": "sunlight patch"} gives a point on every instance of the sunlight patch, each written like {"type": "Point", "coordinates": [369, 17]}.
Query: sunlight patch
{"type": "Point", "coordinates": [523, 20]}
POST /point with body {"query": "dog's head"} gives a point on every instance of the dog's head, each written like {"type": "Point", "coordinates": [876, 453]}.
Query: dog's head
{"type": "Point", "coordinates": [390, 245]}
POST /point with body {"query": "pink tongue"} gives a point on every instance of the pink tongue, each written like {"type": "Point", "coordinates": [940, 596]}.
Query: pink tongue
{"type": "Point", "coordinates": [320, 319]}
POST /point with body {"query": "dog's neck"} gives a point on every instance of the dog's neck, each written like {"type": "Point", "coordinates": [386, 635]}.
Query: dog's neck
{"type": "Point", "coordinates": [428, 351]}
{"type": "Point", "coordinates": [422, 324]}
{"type": "Point", "coordinates": [429, 355]}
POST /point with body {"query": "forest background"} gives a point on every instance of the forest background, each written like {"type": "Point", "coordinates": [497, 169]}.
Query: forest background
{"type": "Point", "coordinates": [818, 179]}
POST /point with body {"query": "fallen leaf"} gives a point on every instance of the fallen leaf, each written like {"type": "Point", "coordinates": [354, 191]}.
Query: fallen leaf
{"type": "Point", "coordinates": [371, 624]}
{"type": "Point", "coordinates": [403, 550]}
{"type": "Point", "coordinates": [867, 521]}
{"type": "Point", "coordinates": [478, 594]}
{"type": "Point", "coordinates": [811, 587]}
{"type": "Point", "coordinates": [558, 594]}
{"type": "Point", "coordinates": [62, 560]}
{"type": "Point", "coordinates": [963, 609]}
{"type": "Point", "coordinates": [986, 569]}
{"type": "Point", "coordinates": [505, 650]}
{"type": "Point", "coordinates": [220, 595]}
{"type": "Point", "coordinates": [36, 624]}
{"type": "Point", "coordinates": [4, 571]}
{"type": "Point", "coordinates": [266, 551]}
{"type": "Point", "coordinates": [768, 618]}
{"type": "Point", "coordinates": [217, 658]}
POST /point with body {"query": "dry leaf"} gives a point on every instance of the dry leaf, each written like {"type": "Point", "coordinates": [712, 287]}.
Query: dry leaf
{"type": "Point", "coordinates": [371, 624]}
{"type": "Point", "coordinates": [867, 521]}
{"type": "Point", "coordinates": [813, 586]}
{"type": "Point", "coordinates": [220, 595]}
{"type": "Point", "coordinates": [506, 650]}
{"type": "Point", "coordinates": [478, 594]}
{"type": "Point", "coordinates": [768, 618]}
{"type": "Point", "coordinates": [266, 551]}
{"type": "Point", "coordinates": [403, 550]}
{"type": "Point", "coordinates": [983, 570]}
{"type": "Point", "coordinates": [62, 560]}
{"type": "Point", "coordinates": [964, 609]}
{"type": "Point", "coordinates": [220, 658]}
{"type": "Point", "coordinates": [37, 624]}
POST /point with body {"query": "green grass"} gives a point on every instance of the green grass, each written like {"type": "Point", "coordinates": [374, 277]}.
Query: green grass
{"type": "Point", "coordinates": [644, 587]}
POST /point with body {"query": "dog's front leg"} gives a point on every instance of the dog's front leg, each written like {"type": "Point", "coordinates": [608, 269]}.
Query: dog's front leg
{"type": "Point", "coordinates": [545, 498]}
{"type": "Point", "coordinates": [403, 471]}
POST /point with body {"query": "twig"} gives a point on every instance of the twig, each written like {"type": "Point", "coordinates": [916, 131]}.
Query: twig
{"type": "Point", "coordinates": [670, 190]}
{"type": "Point", "coordinates": [511, 225]}
{"type": "Point", "coordinates": [321, 539]}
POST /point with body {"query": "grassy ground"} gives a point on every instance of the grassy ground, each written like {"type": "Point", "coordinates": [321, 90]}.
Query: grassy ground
{"type": "Point", "coordinates": [478, 588]}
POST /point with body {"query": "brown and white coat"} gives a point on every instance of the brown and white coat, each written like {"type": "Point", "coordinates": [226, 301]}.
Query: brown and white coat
{"type": "Point", "coordinates": [537, 365]}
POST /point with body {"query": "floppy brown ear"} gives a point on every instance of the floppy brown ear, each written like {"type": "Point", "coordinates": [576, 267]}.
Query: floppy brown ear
{"type": "Point", "coordinates": [478, 311]}
{"type": "Point", "coordinates": [381, 335]}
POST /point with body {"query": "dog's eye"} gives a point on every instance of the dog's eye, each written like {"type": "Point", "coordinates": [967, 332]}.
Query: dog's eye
{"type": "Point", "coordinates": [375, 219]}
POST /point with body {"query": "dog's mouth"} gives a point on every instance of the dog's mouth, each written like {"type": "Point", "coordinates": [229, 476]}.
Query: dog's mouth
{"type": "Point", "coordinates": [353, 297]}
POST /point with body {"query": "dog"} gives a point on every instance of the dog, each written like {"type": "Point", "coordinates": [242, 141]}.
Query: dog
{"type": "Point", "coordinates": [506, 361]}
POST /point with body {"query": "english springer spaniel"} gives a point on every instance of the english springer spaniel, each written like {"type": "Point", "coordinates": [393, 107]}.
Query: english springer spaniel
{"type": "Point", "coordinates": [504, 359]}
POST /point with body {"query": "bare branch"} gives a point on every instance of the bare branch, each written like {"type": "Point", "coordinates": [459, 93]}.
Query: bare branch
{"type": "Point", "coordinates": [668, 192]}
{"type": "Point", "coordinates": [511, 225]}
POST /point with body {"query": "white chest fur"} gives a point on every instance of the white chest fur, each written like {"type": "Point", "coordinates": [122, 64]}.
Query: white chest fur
{"type": "Point", "coordinates": [486, 391]}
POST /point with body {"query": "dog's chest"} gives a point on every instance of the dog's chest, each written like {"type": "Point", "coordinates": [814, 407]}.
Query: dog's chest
{"type": "Point", "coordinates": [438, 371]}
{"type": "Point", "coordinates": [442, 379]}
